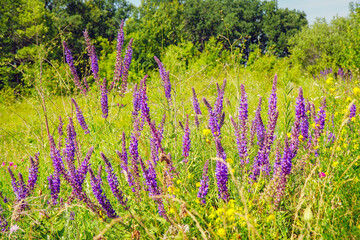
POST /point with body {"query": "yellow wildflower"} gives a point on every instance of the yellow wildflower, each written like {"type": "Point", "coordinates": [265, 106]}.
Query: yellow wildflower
{"type": "Point", "coordinates": [329, 81]}
{"type": "Point", "coordinates": [197, 201]}
{"type": "Point", "coordinates": [316, 147]}
{"type": "Point", "coordinates": [356, 91]}
{"type": "Point", "coordinates": [336, 113]}
{"type": "Point", "coordinates": [190, 176]}
{"type": "Point", "coordinates": [220, 211]}
{"type": "Point", "coordinates": [233, 170]}
{"type": "Point", "coordinates": [206, 131]}
{"type": "Point", "coordinates": [334, 164]}
{"type": "Point", "coordinates": [231, 203]}
{"type": "Point", "coordinates": [332, 90]}
{"type": "Point", "coordinates": [353, 119]}
{"type": "Point", "coordinates": [173, 190]}
{"type": "Point", "coordinates": [338, 149]}
{"type": "Point", "coordinates": [208, 141]}
{"type": "Point", "coordinates": [270, 218]}
{"type": "Point", "coordinates": [221, 232]}
{"type": "Point", "coordinates": [178, 181]}
{"type": "Point", "coordinates": [301, 138]}
{"type": "Point", "coordinates": [345, 145]}
{"type": "Point", "coordinates": [288, 135]}
{"type": "Point", "coordinates": [229, 160]}
{"type": "Point", "coordinates": [230, 212]}
{"type": "Point", "coordinates": [172, 211]}
{"type": "Point", "coordinates": [198, 184]}
{"type": "Point", "coordinates": [348, 99]}
{"type": "Point", "coordinates": [212, 216]}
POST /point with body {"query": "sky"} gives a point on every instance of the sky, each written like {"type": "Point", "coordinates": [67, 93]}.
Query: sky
{"type": "Point", "coordinates": [313, 8]}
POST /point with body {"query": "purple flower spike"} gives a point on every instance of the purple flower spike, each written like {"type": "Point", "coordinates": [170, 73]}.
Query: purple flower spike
{"type": "Point", "coordinates": [18, 187]}
{"type": "Point", "coordinates": [261, 162]}
{"type": "Point", "coordinates": [60, 127]}
{"type": "Point", "coordinates": [257, 126]}
{"type": "Point", "coordinates": [124, 159]}
{"type": "Point", "coordinates": [70, 62]}
{"type": "Point", "coordinates": [352, 111]}
{"type": "Point", "coordinates": [33, 173]}
{"type": "Point", "coordinates": [3, 222]}
{"type": "Point", "coordinates": [54, 186]}
{"type": "Point", "coordinates": [221, 171]}
{"type": "Point", "coordinates": [100, 195]}
{"type": "Point", "coordinates": [104, 100]}
{"type": "Point", "coordinates": [125, 68]}
{"type": "Point", "coordinates": [165, 78]}
{"type": "Point", "coordinates": [300, 113]}
{"type": "Point", "coordinates": [204, 184]}
{"type": "Point", "coordinates": [118, 63]}
{"type": "Point", "coordinates": [152, 187]}
{"type": "Point", "coordinates": [80, 117]}
{"type": "Point", "coordinates": [84, 168]}
{"type": "Point", "coordinates": [273, 99]}
{"type": "Point", "coordinates": [196, 103]}
{"type": "Point", "coordinates": [87, 88]}
{"type": "Point", "coordinates": [286, 161]}
{"type": "Point", "coordinates": [136, 100]}
{"type": "Point", "coordinates": [320, 121]}
{"type": "Point", "coordinates": [243, 118]}
{"type": "Point", "coordinates": [186, 141]}
{"type": "Point", "coordinates": [213, 123]}
{"type": "Point", "coordinates": [56, 158]}
{"type": "Point", "coordinates": [114, 182]}
{"type": "Point", "coordinates": [70, 143]}
{"type": "Point", "coordinates": [92, 55]}
{"type": "Point", "coordinates": [145, 110]}
{"type": "Point", "coordinates": [218, 107]}
{"type": "Point", "coordinates": [134, 153]}
{"type": "Point", "coordinates": [125, 168]}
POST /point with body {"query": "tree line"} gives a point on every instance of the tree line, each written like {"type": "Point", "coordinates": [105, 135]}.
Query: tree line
{"type": "Point", "coordinates": [31, 31]}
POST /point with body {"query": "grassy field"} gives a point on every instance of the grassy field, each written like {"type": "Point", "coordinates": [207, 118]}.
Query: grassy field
{"type": "Point", "coordinates": [314, 196]}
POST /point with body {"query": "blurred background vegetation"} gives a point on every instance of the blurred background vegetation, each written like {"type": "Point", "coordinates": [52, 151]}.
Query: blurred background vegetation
{"type": "Point", "coordinates": [191, 35]}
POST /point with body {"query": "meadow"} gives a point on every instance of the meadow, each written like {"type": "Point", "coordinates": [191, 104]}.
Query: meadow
{"type": "Point", "coordinates": [182, 154]}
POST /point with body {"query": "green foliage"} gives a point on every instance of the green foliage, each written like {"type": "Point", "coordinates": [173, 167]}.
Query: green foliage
{"type": "Point", "coordinates": [154, 26]}
{"type": "Point", "coordinates": [350, 47]}
{"type": "Point", "coordinates": [317, 46]}
{"type": "Point", "coordinates": [262, 23]}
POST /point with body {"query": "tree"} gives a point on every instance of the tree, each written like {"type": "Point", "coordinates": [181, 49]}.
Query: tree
{"type": "Point", "coordinates": [154, 26]}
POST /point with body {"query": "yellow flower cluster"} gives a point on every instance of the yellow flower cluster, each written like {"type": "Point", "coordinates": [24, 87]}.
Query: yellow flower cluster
{"type": "Point", "coordinates": [225, 218]}
{"type": "Point", "coordinates": [173, 190]}
{"type": "Point", "coordinates": [356, 91]}
{"type": "Point", "coordinates": [301, 138]}
{"type": "Point", "coordinates": [330, 81]}
{"type": "Point", "coordinates": [206, 131]}
{"type": "Point", "coordinates": [230, 161]}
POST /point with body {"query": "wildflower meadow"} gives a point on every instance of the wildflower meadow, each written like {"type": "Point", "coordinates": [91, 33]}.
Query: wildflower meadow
{"type": "Point", "coordinates": [176, 154]}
